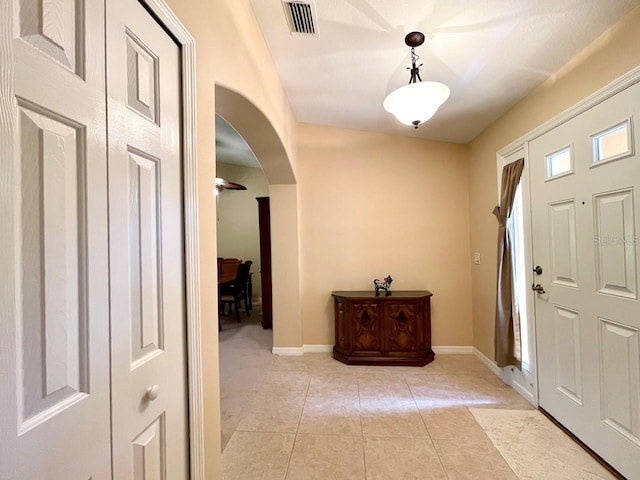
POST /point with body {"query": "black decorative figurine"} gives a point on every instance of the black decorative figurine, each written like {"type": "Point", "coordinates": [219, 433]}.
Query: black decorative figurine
{"type": "Point", "coordinates": [383, 285]}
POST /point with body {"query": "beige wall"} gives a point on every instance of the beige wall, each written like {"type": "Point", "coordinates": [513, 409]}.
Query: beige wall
{"type": "Point", "coordinates": [613, 54]}
{"type": "Point", "coordinates": [238, 228]}
{"type": "Point", "coordinates": [373, 204]}
{"type": "Point", "coordinates": [230, 50]}
{"type": "Point", "coordinates": [285, 265]}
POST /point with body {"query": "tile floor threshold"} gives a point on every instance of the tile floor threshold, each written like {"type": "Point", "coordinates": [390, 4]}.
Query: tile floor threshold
{"type": "Point", "coordinates": [583, 445]}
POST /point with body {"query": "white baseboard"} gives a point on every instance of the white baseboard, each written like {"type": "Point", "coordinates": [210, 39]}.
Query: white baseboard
{"type": "Point", "coordinates": [294, 351]}
{"type": "Point", "coordinates": [291, 351]}
{"type": "Point", "coordinates": [523, 391]}
{"type": "Point", "coordinates": [505, 376]}
{"type": "Point", "coordinates": [317, 348]}
{"type": "Point", "coordinates": [454, 350]}
{"type": "Point", "coordinates": [288, 351]}
{"type": "Point", "coordinates": [492, 365]}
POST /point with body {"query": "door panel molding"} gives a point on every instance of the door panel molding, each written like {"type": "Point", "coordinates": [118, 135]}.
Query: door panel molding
{"type": "Point", "coordinates": [562, 240]}
{"type": "Point", "coordinates": [54, 345]}
{"type": "Point", "coordinates": [620, 389]}
{"type": "Point", "coordinates": [57, 29]}
{"type": "Point", "coordinates": [145, 251]}
{"type": "Point", "coordinates": [614, 241]}
{"type": "Point", "coordinates": [569, 359]}
{"type": "Point", "coordinates": [149, 452]}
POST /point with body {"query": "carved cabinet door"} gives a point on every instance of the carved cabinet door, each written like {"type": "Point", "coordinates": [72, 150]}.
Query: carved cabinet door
{"type": "Point", "coordinates": [403, 336]}
{"type": "Point", "coordinates": [366, 329]}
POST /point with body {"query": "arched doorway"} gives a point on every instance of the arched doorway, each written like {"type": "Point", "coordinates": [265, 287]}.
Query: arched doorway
{"type": "Point", "coordinates": [262, 138]}
{"type": "Point", "coordinates": [238, 378]}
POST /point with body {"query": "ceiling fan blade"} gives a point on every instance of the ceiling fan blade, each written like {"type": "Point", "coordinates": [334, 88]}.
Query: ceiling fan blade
{"type": "Point", "coordinates": [222, 184]}
{"type": "Point", "coordinates": [369, 11]}
{"type": "Point", "coordinates": [234, 186]}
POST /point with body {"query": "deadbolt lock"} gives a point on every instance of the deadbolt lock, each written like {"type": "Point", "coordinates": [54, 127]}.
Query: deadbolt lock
{"type": "Point", "coordinates": [538, 270]}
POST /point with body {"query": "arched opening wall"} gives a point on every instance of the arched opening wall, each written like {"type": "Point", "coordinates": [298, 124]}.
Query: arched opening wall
{"type": "Point", "coordinates": [231, 51]}
{"type": "Point", "coordinates": [268, 148]}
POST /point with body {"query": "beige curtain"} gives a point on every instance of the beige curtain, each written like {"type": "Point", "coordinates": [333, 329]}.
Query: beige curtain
{"type": "Point", "coordinates": [507, 329]}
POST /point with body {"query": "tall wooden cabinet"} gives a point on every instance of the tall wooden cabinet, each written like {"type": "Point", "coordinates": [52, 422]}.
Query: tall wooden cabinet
{"type": "Point", "coordinates": [264, 219]}
{"type": "Point", "coordinates": [383, 330]}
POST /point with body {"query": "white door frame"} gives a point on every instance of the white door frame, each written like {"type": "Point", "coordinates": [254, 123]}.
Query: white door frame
{"type": "Point", "coordinates": [630, 78]}
{"type": "Point", "coordinates": [170, 22]}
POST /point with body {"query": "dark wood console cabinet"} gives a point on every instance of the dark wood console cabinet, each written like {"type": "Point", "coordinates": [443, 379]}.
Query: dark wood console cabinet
{"type": "Point", "coordinates": [383, 330]}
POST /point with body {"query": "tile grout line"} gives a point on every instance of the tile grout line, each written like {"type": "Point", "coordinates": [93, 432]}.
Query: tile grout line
{"type": "Point", "coordinates": [364, 455]}
{"type": "Point", "coordinates": [433, 444]}
{"type": "Point", "coordinates": [360, 407]}
{"type": "Point", "coordinates": [293, 446]}
{"type": "Point", "coordinates": [310, 434]}
{"type": "Point", "coordinates": [408, 437]}
{"type": "Point", "coordinates": [492, 443]}
{"type": "Point", "coordinates": [295, 439]}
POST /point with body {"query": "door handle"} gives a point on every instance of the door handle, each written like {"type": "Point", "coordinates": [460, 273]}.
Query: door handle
{"type": "Point", "coordinates": [153, 392]}
{"type": "Point", "coordinates": [538, 288]}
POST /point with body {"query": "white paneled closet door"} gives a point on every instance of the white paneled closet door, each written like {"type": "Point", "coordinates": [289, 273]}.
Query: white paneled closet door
{"type": "Point", "coordinates": [148, 349]}
{"type": "Point", "coordinates": [92, 318]}
{"type": "Point", "coordinates": [54, 305]}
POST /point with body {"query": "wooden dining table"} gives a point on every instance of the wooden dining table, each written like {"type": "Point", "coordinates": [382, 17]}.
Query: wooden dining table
{"type": "Point", "coordinates": [226, 278]}
{"type": "Point", "coordinates": [227, 270]}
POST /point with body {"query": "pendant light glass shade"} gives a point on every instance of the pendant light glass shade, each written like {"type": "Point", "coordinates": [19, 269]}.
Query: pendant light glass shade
{"type": "Point", "coordinates": [417, 102]}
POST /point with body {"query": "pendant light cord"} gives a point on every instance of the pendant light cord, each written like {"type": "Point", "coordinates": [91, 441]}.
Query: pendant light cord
{"type": "Point", "coordinates": [415, 70]}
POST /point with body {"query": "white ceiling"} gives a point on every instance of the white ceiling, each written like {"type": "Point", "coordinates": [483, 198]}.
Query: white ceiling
{"type": "Point", "coordinates": [231, 147]}
{"type": "Point", "coordinates": [490, 53]}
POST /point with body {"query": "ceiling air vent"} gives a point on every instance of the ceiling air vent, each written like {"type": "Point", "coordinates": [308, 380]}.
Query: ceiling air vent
{"type": "Point", "coordinates": [301, 18]}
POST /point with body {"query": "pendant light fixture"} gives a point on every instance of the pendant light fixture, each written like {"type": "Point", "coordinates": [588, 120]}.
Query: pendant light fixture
{"type": "Point", "coordinates": [417, 102]}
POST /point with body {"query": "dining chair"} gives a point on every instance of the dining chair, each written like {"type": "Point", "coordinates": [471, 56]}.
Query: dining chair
{"type": "Point", "coordinates": [235, 293]}
{"type": "Point", "coordinates": [227, 274]}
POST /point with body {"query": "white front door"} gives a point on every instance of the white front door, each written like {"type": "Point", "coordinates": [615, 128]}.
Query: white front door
{"type": "Point", "coordinates": [54, 303]}
{"type": "Point", "coordinates": [148, 349]}
{"type": "Point", "coordinates": [585, 185]}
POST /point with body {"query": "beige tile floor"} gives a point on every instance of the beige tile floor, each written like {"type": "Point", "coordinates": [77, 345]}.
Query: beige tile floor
{"type": "Point", "coordinates": [312, 417]}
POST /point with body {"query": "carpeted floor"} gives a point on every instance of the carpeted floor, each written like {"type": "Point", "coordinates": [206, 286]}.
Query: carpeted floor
{"type": "Point", "coordinates": [245, 360]}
